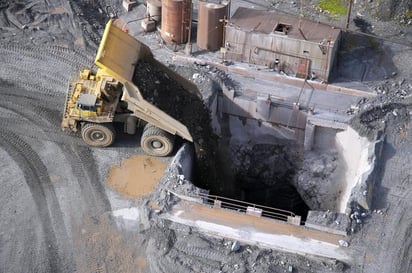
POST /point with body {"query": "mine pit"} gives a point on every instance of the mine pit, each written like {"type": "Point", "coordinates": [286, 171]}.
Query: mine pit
{"type": "Point", "coordinates": [332, 176]}
{"type": "Point", "coordinates": [339, 152]}
{"type": "Point", "coordinates": [260, 174]}
{"type": "Point", "coordinates": [242, 159]}
{"type": "Point", "coordinates": [239, 159]}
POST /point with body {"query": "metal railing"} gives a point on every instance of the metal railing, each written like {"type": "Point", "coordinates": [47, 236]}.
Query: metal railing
{"type": "Point", "coordinates": [245, 207]}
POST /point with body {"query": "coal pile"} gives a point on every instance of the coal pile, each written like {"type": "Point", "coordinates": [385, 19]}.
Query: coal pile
{"type": "Point", "coordinates": [167, 94]}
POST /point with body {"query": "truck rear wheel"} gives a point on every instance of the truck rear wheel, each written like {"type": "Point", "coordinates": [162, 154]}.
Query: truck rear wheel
{"type": "Point", "coordinates": [98, 135]}
{"type": "Point", "coordinates": [156, 142]}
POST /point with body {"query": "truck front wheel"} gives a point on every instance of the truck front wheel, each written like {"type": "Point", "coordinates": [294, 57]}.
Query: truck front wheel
{"type": "Point", "coordinates": [156, 142]}
{"type": "Point", "coordinates": [98, 135]}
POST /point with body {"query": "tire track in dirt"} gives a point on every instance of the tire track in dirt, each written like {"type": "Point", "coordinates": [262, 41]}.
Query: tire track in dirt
{"type": "Point", "coordinates": [38, 181]}
{"type": "Point", "coordinates": [20, 127]}
{"type": "Point", "coordinates": [53, 64]}
{"type": "Point", "coordinates": [48, 52]}
{"type": "Point", "coordinates": [53, 102]}
{"type": "Point", "coordinates": [44, 108]}
{"type": "Point", "coordinates": [84, 169]}
{"type": "Point", "coordinates": [93, 16]}
{"type": "Point", "coordinates": [33, 82]}
{"type": "Point", "coordinates": [47, 127]}
{"type": "Point", "coordinates": [47, 123]}
{"type": "Point", "coordinates": [24, 111]}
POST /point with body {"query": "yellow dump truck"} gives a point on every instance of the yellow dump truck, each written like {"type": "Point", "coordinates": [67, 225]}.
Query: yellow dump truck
{"type": "Point", "coordinates": [98, 99]}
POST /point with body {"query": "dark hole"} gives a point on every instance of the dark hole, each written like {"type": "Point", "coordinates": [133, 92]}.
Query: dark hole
{"type": "Point", "coordinates": [282, 196]}
{"type": "Point", "coordinates": [260, 175]}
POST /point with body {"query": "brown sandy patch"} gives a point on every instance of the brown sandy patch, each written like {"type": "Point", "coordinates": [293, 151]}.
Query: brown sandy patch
{"type": "Point", "coordinates": [136, 176]}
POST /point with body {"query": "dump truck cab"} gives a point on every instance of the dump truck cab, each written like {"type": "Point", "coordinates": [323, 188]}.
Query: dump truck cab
{"type": "Point", "coordinates": [97, 99]}
{"type": "Point", "coordinates": [93, 98]}
{"type": "Point", "coordinates": [87, 105]}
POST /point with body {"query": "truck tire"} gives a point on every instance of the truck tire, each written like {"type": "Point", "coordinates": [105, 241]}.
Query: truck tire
{"type": "Point", "coordinates": [98, 135]}
{"type": "Point", "coordinates": [156, 142]}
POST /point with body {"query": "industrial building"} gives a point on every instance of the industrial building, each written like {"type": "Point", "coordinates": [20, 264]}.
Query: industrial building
{"type": "Point", "coordinates": [287, 43]}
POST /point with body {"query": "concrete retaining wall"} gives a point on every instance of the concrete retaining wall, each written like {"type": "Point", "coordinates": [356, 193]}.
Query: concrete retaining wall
{"type": "Point", "coordinates": [359, 157]}
{"type": "Point", "coordinates": [182, 163]}
{"type": "Point", "coordinates": [256, 118]}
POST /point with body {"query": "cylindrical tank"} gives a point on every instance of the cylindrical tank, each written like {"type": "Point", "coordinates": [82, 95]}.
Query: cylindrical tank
{"type": "Point", "coordinates": [210, 25]}
{"type": "Point", "coordinates": [176, 16]}
{"type": "Point", "coordinates": [154, 10]}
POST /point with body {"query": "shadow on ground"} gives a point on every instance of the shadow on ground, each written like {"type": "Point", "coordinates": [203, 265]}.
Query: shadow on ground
{"type": "Point", "coordinates": [363, 58]}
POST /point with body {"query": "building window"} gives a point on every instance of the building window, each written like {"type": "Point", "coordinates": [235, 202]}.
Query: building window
{"type": "Point", "coordinates": [282, 28]}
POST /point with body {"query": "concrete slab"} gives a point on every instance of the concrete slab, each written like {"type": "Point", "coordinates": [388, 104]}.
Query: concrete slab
{"type": "Point", "coordinates": [332, 222]}
{"type": "Point", "coordinates": [264, 232]}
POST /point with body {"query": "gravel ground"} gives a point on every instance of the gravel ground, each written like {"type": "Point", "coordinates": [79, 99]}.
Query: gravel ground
{"type": "Point", "coordinates": [57, 219]}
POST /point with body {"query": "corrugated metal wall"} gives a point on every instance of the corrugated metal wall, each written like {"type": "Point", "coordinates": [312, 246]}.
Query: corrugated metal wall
{"type": "Point", "coordinates": [267, 49]}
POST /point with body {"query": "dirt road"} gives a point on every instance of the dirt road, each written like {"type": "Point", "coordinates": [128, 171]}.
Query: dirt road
{"type": "Point", "coordinates": [55, 212]}
{"type": "Point", "coordinates": [54, 205]}
{"type": "Point", "coordinates": [385, 239]}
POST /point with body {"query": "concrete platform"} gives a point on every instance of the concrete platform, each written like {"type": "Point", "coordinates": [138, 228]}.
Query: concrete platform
{"type": "Point", "coordinates": [263, 232]}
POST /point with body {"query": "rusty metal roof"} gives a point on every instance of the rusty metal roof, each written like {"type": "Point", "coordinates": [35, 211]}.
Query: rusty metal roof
{"type": "Point", "coordinates": [272, 22]}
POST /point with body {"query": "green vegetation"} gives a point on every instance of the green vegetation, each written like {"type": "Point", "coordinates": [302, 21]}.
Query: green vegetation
{"type": "Point", "coordinates": [335, 7]}
{"type": "Point", "coordinates": [408, 14]}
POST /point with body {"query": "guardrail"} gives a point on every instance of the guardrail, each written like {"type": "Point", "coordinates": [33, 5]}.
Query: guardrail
{"type": "Point", "coordinates": [246, 207]}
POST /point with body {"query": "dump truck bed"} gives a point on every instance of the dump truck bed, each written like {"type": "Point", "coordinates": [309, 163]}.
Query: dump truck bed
{"type": "Point", "coordinates": [117, 56]}
{"type": "Point", "coordinates": [119, 52]}
{"type": "Point", "coordinates": [150, 113]}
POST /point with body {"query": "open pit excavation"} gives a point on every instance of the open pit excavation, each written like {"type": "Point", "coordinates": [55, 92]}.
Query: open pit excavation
{"type": "Point", "coordinates": [292, 148]}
